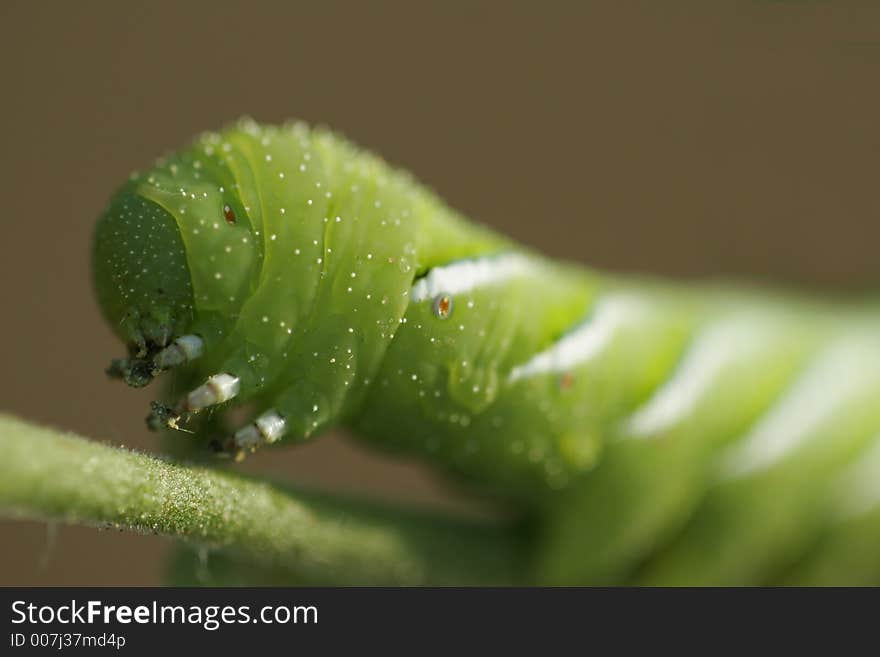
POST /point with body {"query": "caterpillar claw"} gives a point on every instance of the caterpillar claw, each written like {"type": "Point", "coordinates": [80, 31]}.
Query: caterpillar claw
{"type": "Point", "coordinates": [135, 372]}
{"type": "Point", "coordinates": [160, 417]}
{"type": "Point", "coordinates": [164, 417]}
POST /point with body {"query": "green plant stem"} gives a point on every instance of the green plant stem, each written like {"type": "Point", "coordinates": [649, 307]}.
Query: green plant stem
{"type": "Point", "coordinates": [299, 538]}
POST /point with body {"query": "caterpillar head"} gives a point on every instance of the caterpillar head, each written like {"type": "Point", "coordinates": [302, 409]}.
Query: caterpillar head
{"type": "Point", "coordinates": [278, 259]}
{"type": "Point", "coordinates": [172, 253]}
{"type": "Point", "coordinates": [281, 261]}
{"type": "Point", "coordinates": [141, 280]}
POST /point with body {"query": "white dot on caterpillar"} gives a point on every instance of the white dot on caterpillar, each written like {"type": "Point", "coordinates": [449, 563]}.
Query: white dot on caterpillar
{"type": "Point", "coordinates": [309, 202]}
{"type": "Point", "coordinates": [218, 275]}
{"type": "Point", "coordinates": [296, 251]}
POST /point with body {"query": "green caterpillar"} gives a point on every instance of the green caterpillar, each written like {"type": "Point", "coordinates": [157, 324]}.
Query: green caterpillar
{"type": "Point", "coordinates": [649, 432]}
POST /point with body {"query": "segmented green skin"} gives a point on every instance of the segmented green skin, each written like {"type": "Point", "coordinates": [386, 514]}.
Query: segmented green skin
{"type": "Point", "coordinates": [652, 432]}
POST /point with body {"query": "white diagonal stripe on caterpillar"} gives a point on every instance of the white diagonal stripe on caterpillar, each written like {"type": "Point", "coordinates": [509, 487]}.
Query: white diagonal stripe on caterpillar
{"type": "Point", "coordinates": [584, 342]}
{"type": "Point", "coordinates": [466, 275]}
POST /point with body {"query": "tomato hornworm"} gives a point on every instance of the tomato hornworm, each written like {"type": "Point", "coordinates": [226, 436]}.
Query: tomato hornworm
{"type": "Point", "coordinates": [652, 432]}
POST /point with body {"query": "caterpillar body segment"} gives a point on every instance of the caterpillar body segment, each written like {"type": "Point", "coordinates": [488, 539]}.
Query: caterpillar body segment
{"type": "Point", "coordinates": [844, 554]}
{"type": "Point", "coordinates": [772, 488]}
{"type": "Point", "coordinates": [651, 432]}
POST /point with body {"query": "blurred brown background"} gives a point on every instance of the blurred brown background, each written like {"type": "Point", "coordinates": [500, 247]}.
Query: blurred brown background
{"type": "Point", "coordinates": [740, 139]}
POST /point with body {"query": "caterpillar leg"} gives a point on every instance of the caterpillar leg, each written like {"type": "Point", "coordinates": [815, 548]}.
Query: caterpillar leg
{"type": "Point", "coordinates": [300, 410]}
{"type": "Point", "coordinates": [184, 349]}
{"type": "Point", "coordinates": [217, 389]}
{"type": "Point", "coordinates": [138, 371]}
{"type": "Point", "coordinates": [267, 428]}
